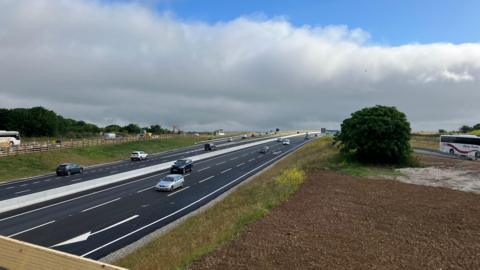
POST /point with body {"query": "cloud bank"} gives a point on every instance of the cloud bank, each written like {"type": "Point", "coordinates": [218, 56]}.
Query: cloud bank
{"type": "Point", "coordinates": [125, 63]}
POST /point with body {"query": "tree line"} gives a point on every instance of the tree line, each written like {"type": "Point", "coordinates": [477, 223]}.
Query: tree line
{"type": "Point", "coordinates": [41, 122]}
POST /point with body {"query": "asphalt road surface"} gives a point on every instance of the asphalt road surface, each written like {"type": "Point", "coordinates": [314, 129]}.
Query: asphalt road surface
{"type": "Point", "coordinates": [50, 181]}
{"type": "Point", "coordinates": [97, 222]}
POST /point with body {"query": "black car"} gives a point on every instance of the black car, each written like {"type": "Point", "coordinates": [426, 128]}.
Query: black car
{"type": "Point", "coordinates": [210, 146]}
{"type": "Point", "coordinates": [182, 166]}
{"type": "Point", "coordinates": [68, 169]}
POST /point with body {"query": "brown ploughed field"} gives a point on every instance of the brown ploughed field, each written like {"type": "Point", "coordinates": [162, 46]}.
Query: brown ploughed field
{"type": "Point", "coordinates": [337, 221]}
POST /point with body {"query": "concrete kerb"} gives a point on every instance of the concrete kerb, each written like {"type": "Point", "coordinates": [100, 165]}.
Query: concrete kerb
{"type": "Point", "coordinates": [112, 257]}
{"type": "Point", "coordinates": [42, 196]}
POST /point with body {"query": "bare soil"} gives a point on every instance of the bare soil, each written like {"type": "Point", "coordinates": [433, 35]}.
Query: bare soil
{"type": "Point", "coordinates": [463, 175]}
{"type": "Point", "coordinates": [337, 221]}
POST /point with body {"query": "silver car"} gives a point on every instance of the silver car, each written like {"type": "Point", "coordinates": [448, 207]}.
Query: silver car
{"type": "Point", "coordinates": [170, 182]}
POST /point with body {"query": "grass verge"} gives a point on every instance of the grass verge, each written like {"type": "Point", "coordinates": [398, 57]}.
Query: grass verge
{"type": "Point", "coordinates": [224, 221]}
{"type": "Point", "coordinates": [14, 167]}
{"type": "Point", "coordinates": [425, 141]}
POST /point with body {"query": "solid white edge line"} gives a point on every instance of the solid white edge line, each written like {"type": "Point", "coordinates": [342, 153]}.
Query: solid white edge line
{"type": "Point", "coordinates": [98, 205]}
{"type": "Point", "coordinates": [208, 178]}
{"type": "Point", "coordinates": [173, 193]}
{"type": "Point", "coordinates": [185, 207]}
{"type": "Point", "coordinates": [27, 230]}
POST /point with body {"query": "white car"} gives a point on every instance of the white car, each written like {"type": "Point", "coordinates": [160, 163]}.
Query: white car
{"type": "Point", "coordinates": [279, 139]}
{"type": "Point", "coordinates": [170, 182]}
{"type": "Point", "coordinates": [244, 136]}
{"type": "Point", "coordinates": [138, 155]}
{"type": "Point", "coordinates": [286, 142]}
{"type": "Point", "coordinates": [230, 139]}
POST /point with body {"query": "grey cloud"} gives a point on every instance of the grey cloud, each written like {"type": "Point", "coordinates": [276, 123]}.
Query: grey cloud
{"type": "Point", "coordinates": [124, 63]}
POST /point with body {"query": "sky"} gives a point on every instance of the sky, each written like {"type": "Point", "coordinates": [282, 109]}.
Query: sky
{"type": "Point", "coordinates": [244, 65]}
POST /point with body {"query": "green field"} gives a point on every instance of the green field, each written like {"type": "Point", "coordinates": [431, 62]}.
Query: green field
{"type": "Point", "coordinates": [14, 167]}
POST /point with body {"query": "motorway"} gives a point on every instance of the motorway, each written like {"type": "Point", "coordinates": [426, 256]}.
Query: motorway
{"type": "Point", "coordinates": [50, 181]}
{"type": "Point", "coordinates": [97, 222]}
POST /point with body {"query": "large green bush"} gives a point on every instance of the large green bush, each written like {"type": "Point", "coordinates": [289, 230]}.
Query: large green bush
{"type": "Point", "coordinates": [378, 134]}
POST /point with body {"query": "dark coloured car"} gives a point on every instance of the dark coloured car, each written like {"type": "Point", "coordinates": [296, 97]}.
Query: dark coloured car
{"type": "Point", "coordinates": [210, 146]}
{"type": "Point", "coordinates": [264, 150]}
{"type": "Point", "coordinates": [69, 169]}
{"type": "Point", "coordinates": [182, 166]}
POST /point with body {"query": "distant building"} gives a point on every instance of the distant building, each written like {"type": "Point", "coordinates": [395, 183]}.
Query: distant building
{"type": "Point", "coordinates": [219, 132]}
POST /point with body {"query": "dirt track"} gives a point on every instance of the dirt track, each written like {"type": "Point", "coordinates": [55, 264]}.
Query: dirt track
{"type": "Point", "coordinates": [336, 221]}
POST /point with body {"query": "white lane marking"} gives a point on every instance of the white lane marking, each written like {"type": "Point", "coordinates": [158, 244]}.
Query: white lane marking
{"type": "Point", "coordinates": [208, 178]}
{"type": "Point", "coordinates": [10, 187]}
{"type": "Point", "coordinates": [27, 230]}
{"type": "Point", "coordinates": [22, 185]}
{"type": "Point", "coordinates": [98, 205]}
{"type": "Point", "coordinates": [145, 189]}
{"type": "Point", "coordinates": [112, 172]}
{"type": "Point", "coordinates": [250, 160]}
{"type": "Point", "coordinates": [23, 191]}
{"type": "Point", "coordinates": [173, 193]}
{"type": "Point", "coordinates": [187, 175]}
{"type": "Point", "coordinates": [185, 207]}
{"type": "Point", "coordinates": [48, 180]}
{"type": "Point", "coordinates": [277, 152]}
{"type": "Point", "coordinates": [233, 158]}
{"type": "Point", "coordinates": [225, 170]}
{"type": "Point", "coordinates": [36, 182]}
{"type": "Point", "coordinates": [86, 235]}
{"type": "Point", "coordinates": [83, 196]}
{"type": "Point", "coordinates": [203, 169]}
{"type": "Point", "coordinates": [243, 163]}
{"type": "Point", "coordinates": [74, 180]}
{"type": "Point", "coordinates": [220, 163]}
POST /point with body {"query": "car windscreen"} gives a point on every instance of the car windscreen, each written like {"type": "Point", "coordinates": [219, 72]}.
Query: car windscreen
{"type": "Point", "coordinates": [62, 166]}
{"type": "Point", "coordinates": [168, 179]}
{"type": "Point", "coordinates": [180, 162]}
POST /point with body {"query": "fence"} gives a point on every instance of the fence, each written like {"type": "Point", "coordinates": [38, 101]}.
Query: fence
{"type": "Point", "coordinates": [46, 146]}
{"type": "Point", "coordinates": [18, 255]}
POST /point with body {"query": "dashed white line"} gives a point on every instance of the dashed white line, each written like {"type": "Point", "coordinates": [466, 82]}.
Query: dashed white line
{"type": "Point", "coordinates": [23, 191]}
{"type": "Point", "coordinates": [250, 160]}
{"type": "Point", "coordinates": [145, 189]}
{"type": "Point", "coordinates": [208, 178]}
{"type": "Point", "coordinates": [206, 168]}
{"type": "Point", "coordinates": [243, 163]}
{"type": "Point", "coordinates": [27, 230]}
{"type": "Point", "coordinates": [173, 193]}
{"type": "Point", "coordinates": [233, 158]}
{"type": "Point", "coordinates": [112, 172]}
{"type": "Point", "coordinates": [225, 170]}
{"type": "Point", "coordinates": [10, 187]}
{"type": "Point", "coordinates": [186, 175]}
{"type": "Point", "coordinates": [22, 185]}
{"type": "Point", "coordinates": [36, 182]}
{"type": "Point", "coordinates": [79, 197]}
{"type": "Point", "coordinates": [220, 163]}
{"type": "Point", "coordinates": [74, 180]}
{"type": "Point", "coordinates": [102, 204]}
